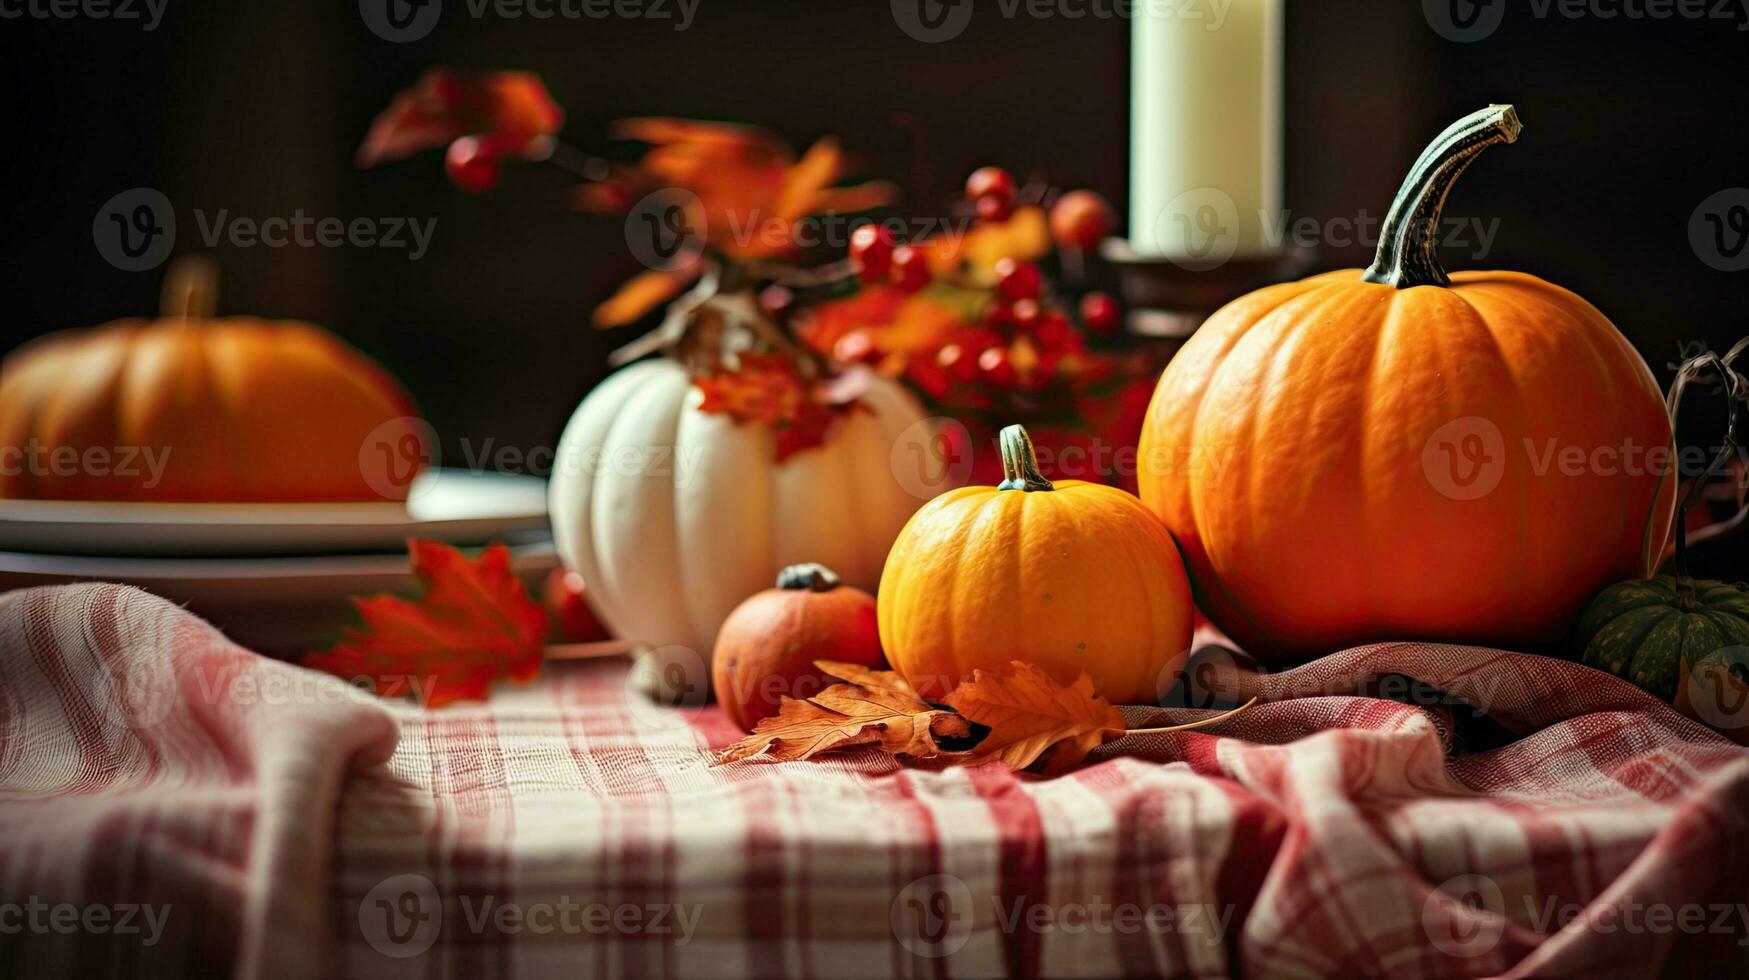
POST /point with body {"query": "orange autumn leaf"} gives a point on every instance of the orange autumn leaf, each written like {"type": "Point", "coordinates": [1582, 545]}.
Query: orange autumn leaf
{"type": "Point", "coordinates": [641, 294]}
{"type": "Point", "coordinates": [876, 708]}
{"type": "Point", "coordinates": [752, 191]}
{"type": "Point", "coordinates": [1029, 713]}
{"type": "Point", "coordinates": [883, 686]}
{"type": "Point", "coordinates": [474, 625]}
{"type": "Point", "coordinates": [766, 389]}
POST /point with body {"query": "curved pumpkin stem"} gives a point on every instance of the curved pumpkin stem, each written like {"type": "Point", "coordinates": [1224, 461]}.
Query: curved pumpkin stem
{"type": "Point", "coordinates": [1020, 462]}
{"type": "Point", "coordinates": [1408, 244]}
{"type": "Point", "coordinates": [1735, 391]}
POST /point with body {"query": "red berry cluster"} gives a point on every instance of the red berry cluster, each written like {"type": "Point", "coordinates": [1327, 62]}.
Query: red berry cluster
{"type": "Point", "coordinates": [878, 258]}
{"type": "Point", "coordinates": [1024, 342]}
{"type": "Point", "coordinates": [992, 192]}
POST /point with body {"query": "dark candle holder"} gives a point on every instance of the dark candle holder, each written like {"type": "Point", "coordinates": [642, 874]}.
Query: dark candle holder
{"type": "Point", "coordinates": [1168, 300]}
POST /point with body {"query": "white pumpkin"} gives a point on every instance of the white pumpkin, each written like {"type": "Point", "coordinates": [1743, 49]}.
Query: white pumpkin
{"type": "Point", "coordinates": [673, 516]}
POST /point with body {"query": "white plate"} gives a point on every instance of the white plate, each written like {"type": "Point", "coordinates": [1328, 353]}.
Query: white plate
{"type": "Point", "coordinates": [272, 605]}
{"type": "Point", "coordinates": [458, 506]}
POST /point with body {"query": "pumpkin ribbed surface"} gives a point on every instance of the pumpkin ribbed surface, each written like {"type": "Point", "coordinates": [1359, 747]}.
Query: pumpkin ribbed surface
{"type": "Point", "coordinates": [1344, 461]}
{"type": "Point", "coordinates": [1079, 577]}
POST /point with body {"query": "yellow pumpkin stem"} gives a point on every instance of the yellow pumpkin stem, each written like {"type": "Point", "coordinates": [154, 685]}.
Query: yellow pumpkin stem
{"type": "Point", "coordinates": [191, 289]}
{"type": "Point", "coordinates": [1223, 716]}
{"type": "Point", "coordinates": [1020, 462]}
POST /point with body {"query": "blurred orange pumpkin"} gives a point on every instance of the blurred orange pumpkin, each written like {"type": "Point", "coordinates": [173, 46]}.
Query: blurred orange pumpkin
{"type": "Point", "coordinates": [188, 408]}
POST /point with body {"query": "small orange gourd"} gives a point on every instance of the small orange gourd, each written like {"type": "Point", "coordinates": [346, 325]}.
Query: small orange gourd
{"type": "Point", "coordinates": [767, 648]}
{"type": "Point", "coordinates": [1070, 576]}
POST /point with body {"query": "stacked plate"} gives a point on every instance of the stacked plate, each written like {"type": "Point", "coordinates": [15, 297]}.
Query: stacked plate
{"type": "Point", "coordinates": [276, 577]}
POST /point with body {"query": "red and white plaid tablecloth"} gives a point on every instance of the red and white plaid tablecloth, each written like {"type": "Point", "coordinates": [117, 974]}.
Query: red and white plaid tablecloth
{"type": "Point", "coordinates": [151, 771]}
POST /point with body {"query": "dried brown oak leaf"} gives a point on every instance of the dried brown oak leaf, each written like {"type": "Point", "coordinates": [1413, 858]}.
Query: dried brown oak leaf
{"type": "Point", "coordinates": [875, 708]}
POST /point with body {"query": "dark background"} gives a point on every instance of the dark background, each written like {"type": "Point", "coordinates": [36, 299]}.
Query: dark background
{"type": "Point", "coordinates": [257, 107]}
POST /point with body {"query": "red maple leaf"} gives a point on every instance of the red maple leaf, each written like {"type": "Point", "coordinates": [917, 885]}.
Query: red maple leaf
{"type": "Point", "coordinates": [767, 389]}
{"type": "Point", "coordinates": [474, 625]}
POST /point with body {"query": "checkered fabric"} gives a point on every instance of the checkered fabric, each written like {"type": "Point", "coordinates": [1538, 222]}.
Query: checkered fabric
{"type": "Point", "coordinates": [277, 826]}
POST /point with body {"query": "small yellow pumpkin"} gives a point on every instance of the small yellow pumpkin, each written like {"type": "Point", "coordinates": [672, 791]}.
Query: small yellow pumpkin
{"type": "Point", "coordinates": [1072, 576]}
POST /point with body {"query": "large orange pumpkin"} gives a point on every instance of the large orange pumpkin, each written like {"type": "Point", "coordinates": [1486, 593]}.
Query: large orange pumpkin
{"type": "Point", "coordinates": [1069, 576]}
{"type": "Point", "coordinates": [1396, 453]}
{"type": "Point", "coordinates": [189, 408]}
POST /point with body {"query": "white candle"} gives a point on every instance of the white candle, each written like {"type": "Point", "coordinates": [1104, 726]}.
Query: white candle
{"type": "Point", "coordinates": [1205, 127]}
